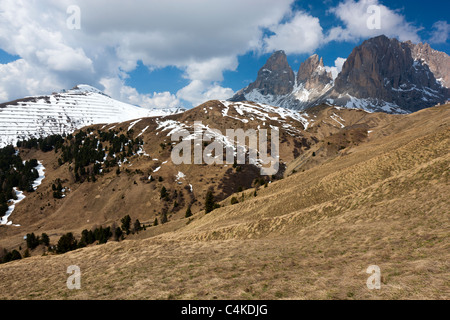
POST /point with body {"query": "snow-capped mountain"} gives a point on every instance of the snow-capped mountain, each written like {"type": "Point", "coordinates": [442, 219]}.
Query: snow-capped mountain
{"type": "Point", "coordinates": [65, 112]}
{"type": "Point", "coordinates": [381, 74]}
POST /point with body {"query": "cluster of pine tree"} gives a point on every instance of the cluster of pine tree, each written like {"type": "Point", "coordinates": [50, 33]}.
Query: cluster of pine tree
{"type": "Point", "coordinates": [58, 190]}
{"type": "Point", "coordinates": [7, 256]}
{"type": "Point", "coordinates": [88, 152]}
{"type": "Point", "coordinates": [210, 202]}
{"type": "Point", "coordinates": [44, 144]}
{"type": "Point", "coordinates": [14, 173]}
{"type": "Point", "coordinates": [101, 235]}
{"type": "Point", "coordinates": [174, 198]}
{"type": "Point", "coordinates": [32, 242]}
{"type": "Point", "coordinates": [68, 242]}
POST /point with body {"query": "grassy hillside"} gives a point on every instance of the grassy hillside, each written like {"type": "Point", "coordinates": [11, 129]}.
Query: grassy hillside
{"type": "Point", "coordinates": [381, 200]}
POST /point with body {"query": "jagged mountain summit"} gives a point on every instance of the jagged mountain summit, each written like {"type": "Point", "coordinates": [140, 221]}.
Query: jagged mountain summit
{"type": "Point", "coordinates": [276, 77]}
{"type": "Point", "coordinates": [381, 74]}
{"type": "Point", "coordinates": [437, 61]}
{"type": "Point", "coordinates": [65, 112]}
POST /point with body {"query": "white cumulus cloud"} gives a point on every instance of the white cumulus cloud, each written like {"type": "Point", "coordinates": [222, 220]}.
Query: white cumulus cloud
{"type": "Point", "coordinates": [199, 37]}
{"type": "Point", "coordinates": [117, 89]}
{"type": "Point", "coordinates": [302, 33]}
{"type": "Point", "coordinates": [198, 92]}
{"type": "Point", "coordinates": [360, 20]}
{"type": "Point", "coordinates": [337, 68]}
{"type": "Point", "coordinates": [440, 33]}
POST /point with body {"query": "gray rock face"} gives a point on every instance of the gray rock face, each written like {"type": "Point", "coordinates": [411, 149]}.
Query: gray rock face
{"type": "Point", "coordinates": [276, 77]}
{"type": "Point", "coordinates": [438, 62]}
{"type": "Point", "coordinates": [385, 70]}
{"type": "Point", "coordinates": [312, 74]}
{"type": "Point", "coordinates": [381, 74]}
{"type": "Point", "coordinates": [277, 85]}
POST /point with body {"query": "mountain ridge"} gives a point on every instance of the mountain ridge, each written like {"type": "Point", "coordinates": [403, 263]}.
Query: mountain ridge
{"type": "Point", "coordinates": [380, 200]}
{"type": "Point", "coordinates": [64, 112]}
{"type": "Point", "coordinates": [381, 74]}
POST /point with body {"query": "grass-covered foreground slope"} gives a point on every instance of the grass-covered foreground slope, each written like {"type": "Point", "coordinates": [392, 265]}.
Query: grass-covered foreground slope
{"type": "Point", "coordinates": [311, 235]}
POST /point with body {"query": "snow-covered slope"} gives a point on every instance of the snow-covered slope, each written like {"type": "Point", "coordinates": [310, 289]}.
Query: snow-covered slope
{"type": "Point", "coordinates": [300, 98]}
{"type": "Point", "coordinates": [261, 115]}
{"type": "Point", "coordinates": [65, 112]}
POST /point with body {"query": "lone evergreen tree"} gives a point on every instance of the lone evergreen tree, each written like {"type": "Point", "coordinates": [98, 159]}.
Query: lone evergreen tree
{"type": "Point", "coordinates": [188, 212]}
{"type": "Point", "coordinates": [164, 193]}
{"type": "Point", "coordinates": [210, 203]}
{"type": "Point", "coordinates": [118, 234]}
{"type": "Point", "coordinates": [126, 223]}
{"type": "Point", "coordinates": [45, 240]}
{"type": "Point", "coordinates": [15, 255]}
{"type": "Point", "coordinates": [164, 218]}
{"type": "Point", "coordinates": [32, 241]}
{"type": "Point", "coordinates": [137, 226]}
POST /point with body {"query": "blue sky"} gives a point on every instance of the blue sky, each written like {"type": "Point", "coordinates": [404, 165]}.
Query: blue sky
{"type": "Point", "coordinates": [184, 52]}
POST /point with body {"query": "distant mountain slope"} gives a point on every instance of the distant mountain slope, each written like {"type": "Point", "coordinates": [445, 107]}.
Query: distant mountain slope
{"type": "Point", "coordinates": [381, 74]}
{"type": "Point", "coordinates": [143, 164]}
{"type": "Point", "coordinates": [65, 112]}
{"type": "Point", "coordinates": [382, 200]}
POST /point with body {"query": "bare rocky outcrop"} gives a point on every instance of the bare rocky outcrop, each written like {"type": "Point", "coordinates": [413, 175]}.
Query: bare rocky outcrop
{"type": "Point", "coordinates": [386, 70]}
{"type": "Point", "coordinates": [275, 78]}
{"type": "Point", "coordinates": [312, 74]}
{"type": "Point", "coordinates": [438, 62]}
{"type": "Point", "coordinates": [381, 74]}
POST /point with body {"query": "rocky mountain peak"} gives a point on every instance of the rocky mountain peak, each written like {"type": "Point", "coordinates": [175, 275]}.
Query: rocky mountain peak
{"type": "Point", "coordinates": [312, 73]}
{"type": "Point", "coordinates": [388, 70]}
{"type": "Point", "coordinates": [381, 74]}
{"type": "Point", "coordinates": [277, 62]}
{"type": "Point", "coordinates": [275, 77]}
{"type": "Point", "coordinates": [438, 62]}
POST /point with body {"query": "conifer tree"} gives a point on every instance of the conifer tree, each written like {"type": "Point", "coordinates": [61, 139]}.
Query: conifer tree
{"type": "Point", "coordinates": [126, 224]}
{"type": "Point", "coordinates": [45, 240]}
{"type": "Point", "coordinates": [188, 212]}
{"type": "Point", "coordinates": [210, 203]}
{"type": "Point", "coordinates": [137, 226]}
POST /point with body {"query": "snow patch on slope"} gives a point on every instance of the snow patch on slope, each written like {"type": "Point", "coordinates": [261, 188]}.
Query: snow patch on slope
{"type": "Point", "coordinates": [264, 112]}
{"type": "Point", "coordinates": [66, 112]}
{"type": "Point", "coordinates": [20, 196]}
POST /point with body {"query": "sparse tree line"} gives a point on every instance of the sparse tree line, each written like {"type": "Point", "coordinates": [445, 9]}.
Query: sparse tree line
{"type": "Point", "coordinates": [53, 142]}
{"type": "Point", "coordinates": [90, 154]}
{"type": "Point", "coordinates": [101, 235]}
{"type": "Point", "coordinates": [210, 204]}
{"type": "Point", "coordinates": [68, 241]}
{"type": "Point", "coordinates": [173, 201]}
{"type": "Point", "coordinates": [58, 190]}
{"type": "Point", "coordinates": [210, 200]}
{"type": "Point", "coordinates": [257, 183]}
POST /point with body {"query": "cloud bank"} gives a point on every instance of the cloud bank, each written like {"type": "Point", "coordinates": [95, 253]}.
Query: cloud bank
{"type": "Point", "coordinates": [201, 39]}
{"type": "Point", "coordinates": [369, 18]}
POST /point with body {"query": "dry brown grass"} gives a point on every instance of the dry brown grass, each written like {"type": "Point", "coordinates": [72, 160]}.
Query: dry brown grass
{"type": "Point", "coordinates": [309, 236]}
